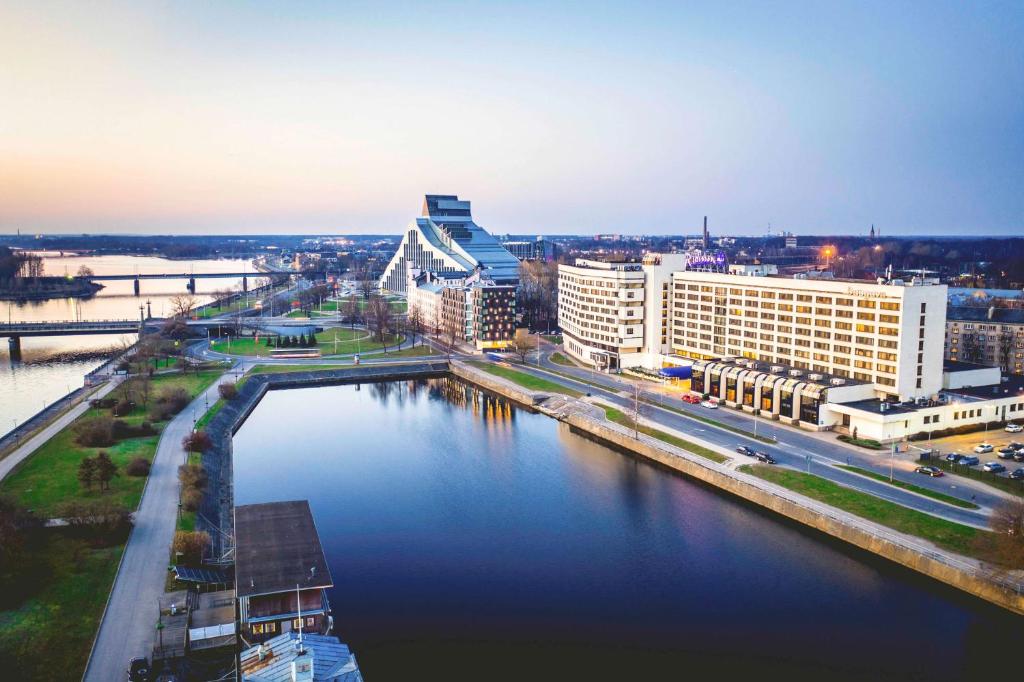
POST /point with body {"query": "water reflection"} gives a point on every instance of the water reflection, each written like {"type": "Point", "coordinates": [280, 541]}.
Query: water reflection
{"type": "Point", "coordinates": [468, 533]}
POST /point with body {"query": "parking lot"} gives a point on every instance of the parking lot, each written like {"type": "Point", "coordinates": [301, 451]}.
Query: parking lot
{"type": "Point", "coordinates": [964, 444]}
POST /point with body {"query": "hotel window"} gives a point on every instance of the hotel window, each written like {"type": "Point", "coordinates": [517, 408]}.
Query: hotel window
{"type": "Point", "coordinates": [888, 305]}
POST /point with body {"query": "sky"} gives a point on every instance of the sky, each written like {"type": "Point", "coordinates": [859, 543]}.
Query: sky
{"type": "Point", "coordinates": [553, 118]}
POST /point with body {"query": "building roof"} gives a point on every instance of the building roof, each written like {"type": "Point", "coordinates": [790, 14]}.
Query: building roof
{"type": "Point", "coordinates": [968, 313]}
{"type": "Point", "coordinates": [332, 660]}
{"type": "Point", "coordinates": [276, 548]}
{"type": "Point", "coordinates": [1010, 385]}
{"type": "Point", "coordinates": [951, 366]}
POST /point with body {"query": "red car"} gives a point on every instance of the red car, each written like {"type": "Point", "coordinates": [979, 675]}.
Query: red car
{"type": "Point", "coordinates": [692, 399]}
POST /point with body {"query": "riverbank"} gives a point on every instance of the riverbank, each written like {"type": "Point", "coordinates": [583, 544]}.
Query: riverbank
{"type": "Point", "coordinates": [952, 569]}
{"type": "Point", "coordinates": [45, 288]}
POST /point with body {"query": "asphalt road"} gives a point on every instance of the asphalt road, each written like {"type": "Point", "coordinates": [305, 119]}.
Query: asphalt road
{"type": "Point", "coordinates": [792, 447]}
{"type": "Point", "coordinates": [128, 626]}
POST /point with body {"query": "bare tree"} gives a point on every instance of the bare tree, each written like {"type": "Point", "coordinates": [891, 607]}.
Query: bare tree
{"type": "Point", "coordinates": [414, 323]}
{"type": "Point", "coordinates": [452, 338]}
{"type": "Point", "coordinates": [636, 409]}
{"type": "Point", "coordinates": [1004, 345]}
{"type": "Point", "coordinates": [85, 271]}
{"type": "Point", "coordinates": [520, 346]}
{"type": "Point", "coordinates": [182, 305]}
{"type": "Point", "coordinates": [351, 309]}
{"type": "Point", "coordinates": [1005, 546]}
{"type": "Point", "coordinates": [380, 317]}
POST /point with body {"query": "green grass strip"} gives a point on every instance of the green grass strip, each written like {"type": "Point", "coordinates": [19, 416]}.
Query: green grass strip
{"type": "Point", "coordinates": [942, 497]}
{"type": "Point", "coordinates": [527, 381]}
{"type": "Point", "coordinates": [946, 534]}
{"type": "Point", "coordinates": [620, 417]}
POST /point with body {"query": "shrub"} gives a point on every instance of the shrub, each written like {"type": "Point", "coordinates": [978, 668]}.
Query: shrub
{"type": "Point", "coordinates": [137, 467]}
{"type": "Point", "coordinates": [197, 441]}
{"type": "Point", "coordinates": [123, 407]}
{"type": "Point", "coordinates": [169, 403]}
{"type": "Point", "coordinates": [191, 499]}
{"type": "Point", "coordinates": [122, 430]}
{"type": "Point", "coordinates": [192, 476]}
{"type": "Point", "coordinates": [102, 517]}
{"type": "Point", "coordinates": [227, 391]}
{"type": "Point", "coordinates": [103, 403]}
{"type": "Point", "coordinates": [191, 545]}
{"type": "Point", "coordinates": [95, 433]}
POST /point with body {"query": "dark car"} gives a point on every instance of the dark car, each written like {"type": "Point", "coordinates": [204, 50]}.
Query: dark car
{"type": "Point", "coordinates": [929, 471]}
{"type": "Point", "coordinates": [1017, 474]}
{"type": "Point", "coordinates": [993, 467]}
{"type": "Point", "coordinates": [1006, 453]}
{"type": "Point", "coordinates": [764, 457]}
{"type": "Point", "coordinates": [1018, 456]}
{"type": "Point", "coordinates": [954, 457]}
{"type": "Point", "coordinates": [968, 461]}
{"type": "Point", "coordinates": [138, 670]}
{"type": "Point", "coordinates": [744, 450]}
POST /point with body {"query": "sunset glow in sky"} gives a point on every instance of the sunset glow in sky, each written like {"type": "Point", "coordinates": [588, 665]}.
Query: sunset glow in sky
{"type": "Point", "coordinates": [245, 117]}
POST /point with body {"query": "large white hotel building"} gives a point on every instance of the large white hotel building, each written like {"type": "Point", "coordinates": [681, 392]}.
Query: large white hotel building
{"type": "Point", "coordinates": [812, 351]}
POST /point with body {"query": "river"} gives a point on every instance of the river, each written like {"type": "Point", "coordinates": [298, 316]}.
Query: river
{"type": "Point", "coordinates": [470, 540]}
{"type": "Point", "coordinates": [52, 366]}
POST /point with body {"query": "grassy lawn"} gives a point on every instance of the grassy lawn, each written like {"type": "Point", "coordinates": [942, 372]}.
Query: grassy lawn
{"type": "Point", "coordinates": [241, 347]}
{"type": "Point", "coordinates": [911, 487]}
{"type": "Point", "coordinates": [527, 381]}
{"type": "Point", "coordinates": [64, 596]}
{"type": "Point", "coordinates": [351, 341]}
{"type": "Point", "coordinates": [50, 474]}
{"type": "Point", "coordinates": [281, 369]}
{"type": "Point", "coordinates": [553, 338]}
{"type": "Point", "coordinates": [408, 352]}
{"type": "Point", "coordinates": [866, 443]}
{"type": "Point", "coordinates": [560, 359]}
{"type": "Point", "coordinates": [47, 636]}
{"type": "Point", "coordinates": [619, 417]}
{"type": "Point", "coordinates": [945, 534]}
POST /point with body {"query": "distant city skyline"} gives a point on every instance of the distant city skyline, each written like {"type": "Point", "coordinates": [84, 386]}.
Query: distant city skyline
{"type": "Point", "coordinates": [331, 118]}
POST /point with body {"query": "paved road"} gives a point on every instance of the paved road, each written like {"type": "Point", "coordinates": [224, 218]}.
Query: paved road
{"type": "Point", "coordinates": [793, 447]}
{"type": "Point", "coordinates": [128, 626]}
{"type": "Point", "coordinates": [8, 463]}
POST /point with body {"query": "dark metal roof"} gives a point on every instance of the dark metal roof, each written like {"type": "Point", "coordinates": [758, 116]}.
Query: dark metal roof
{"type": "Point", "coordinates": [967, 313]}
{"type": "Point", "coordinates": [276, 548]}
{"type": "Point", "coordinates": [961, 366]}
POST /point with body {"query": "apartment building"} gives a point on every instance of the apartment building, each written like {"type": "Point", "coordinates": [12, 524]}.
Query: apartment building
{"type": "Point", "coordinates": [885, 334]}
{"type": "Point", "coordinates": [613, 314]}
{"type": "Point", "coordinates": [989, 336]}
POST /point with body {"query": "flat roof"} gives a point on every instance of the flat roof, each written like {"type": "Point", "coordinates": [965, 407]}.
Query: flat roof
{"type": "Point", "coordinates": [1009, 386]}
{"type": "Point", "coordinates": [960, 366]}
{"type": "Point", "coordinates": [764, 366]}
{"type": "Point", "coordinates": [276, 548]}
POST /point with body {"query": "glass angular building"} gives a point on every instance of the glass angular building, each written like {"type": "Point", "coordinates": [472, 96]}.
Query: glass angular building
{"type": "Point", "coordinates": [445, 240]}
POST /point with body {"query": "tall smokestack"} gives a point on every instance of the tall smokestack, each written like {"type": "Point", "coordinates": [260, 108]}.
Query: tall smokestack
{"type": "Point", "coordinates": [707, 242]}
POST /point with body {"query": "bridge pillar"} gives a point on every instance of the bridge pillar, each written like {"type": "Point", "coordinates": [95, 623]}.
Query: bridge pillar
{"type": "Point", "coordinates": [14, 345]}
{"type": "Point", "coordinates": [136, 286]}
{"type": "Point", "coordinates": [245, 283]}
{"type": "Point", "coordinates": [191, 285]}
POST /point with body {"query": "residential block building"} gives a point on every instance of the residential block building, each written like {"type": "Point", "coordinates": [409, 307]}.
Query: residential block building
{"type": "Point", "coordinates": [989, 336]}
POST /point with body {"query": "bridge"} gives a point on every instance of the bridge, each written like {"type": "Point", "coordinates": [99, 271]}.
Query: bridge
{"type": "Point", "coordinates": [15, 330]}
{"type": "Point", "coordinates": [190, 276]}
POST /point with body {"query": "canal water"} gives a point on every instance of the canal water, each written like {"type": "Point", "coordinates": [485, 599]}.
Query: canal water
{"type": "Point", "coordinates": [52, 366]}
{"type": "Point", "coordinates": [471, 540]}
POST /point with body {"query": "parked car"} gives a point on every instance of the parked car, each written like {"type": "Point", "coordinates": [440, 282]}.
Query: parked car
{"type": "Point", "coordinates": [765, 457]}
{"type": "Point", "coordinates": [934, 472]}
{"type": "Point", "coordinates": [993, 467]}
{"type": "Point", "coordinates": [692, 399]}
{"type": "Point", "coordinates": [744, 450]}
{"type": "Point", "coordinates": [1018, 456]}
{"type": "Point", "coordinates": [982, 448]}
{"type": "Point", "coordinates": [954, 457]}
{"type": "Point", "coordinates": [968, 461]}
{"type": "Point", "coordinates": [710, 404]}
{"type": "Point", "coordinates": [138, 670]}
{"type": "Point", "coordinates": [1014, 428]}
{"type": "Point", "coordinates": [1007, 453]}
{"type": "Point", "coordinates": [1017, 474]}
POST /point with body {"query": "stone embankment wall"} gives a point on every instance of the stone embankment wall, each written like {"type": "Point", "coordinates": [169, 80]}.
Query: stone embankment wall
{"type": "Point", "coordinates": [954, 570]}
{"type": "Point", "coordinates": [216, 512]}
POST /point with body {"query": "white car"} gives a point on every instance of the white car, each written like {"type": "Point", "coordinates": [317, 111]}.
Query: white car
{"type": "Point", "coordinates": [1014, 428]}
{"type": "Point", "coordinates": [982, 448]}
{"type": "Point", "coordinates": [710, 404]}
